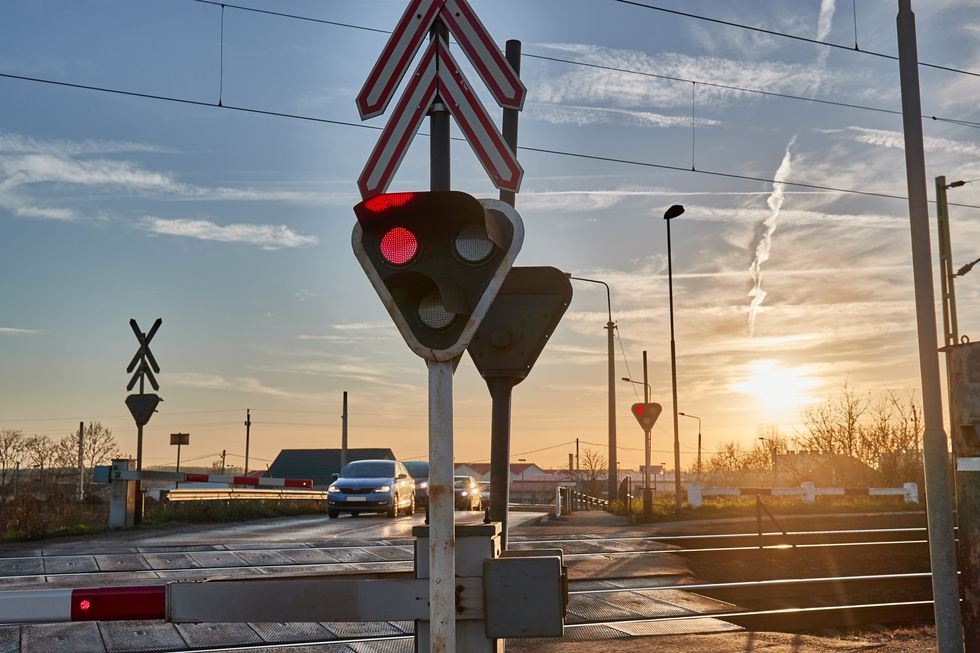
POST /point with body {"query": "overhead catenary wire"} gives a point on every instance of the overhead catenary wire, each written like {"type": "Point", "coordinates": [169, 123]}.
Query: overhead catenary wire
{"type": "Point", "coordinates": [965, 123]}
{"type": "Point", "coordinates": [525, 148]}
{"type": "Point", "coordinates": [795, 37]}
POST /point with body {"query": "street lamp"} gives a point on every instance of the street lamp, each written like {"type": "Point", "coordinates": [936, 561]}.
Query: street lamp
{"type": "Point", "coordinates": [646, 387]}
{"type": "Point", "coordinates": [699, 440]}
{"type": "Point", "coordinates": [669, 215]}
{"type": "Point", "coordinates": [613, 476]}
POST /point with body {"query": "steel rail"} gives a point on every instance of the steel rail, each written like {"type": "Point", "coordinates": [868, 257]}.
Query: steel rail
{"type": "Point", "coordinates": [626, 538]}
{"type": "Point", "coordinates": [734, 615]}
{"type": "Point", "coordinates": [768, 616]}
{"type": "Point", "coordinates": [731, 549]}
{"type": "Point", "coordinates": [752, 584]}
{"type": "Point", "coordinates": [280, 646]}
{"type": "Point", "coordinates": [607, 552]}
{"type": "Point", "coordinates": [298, 565]}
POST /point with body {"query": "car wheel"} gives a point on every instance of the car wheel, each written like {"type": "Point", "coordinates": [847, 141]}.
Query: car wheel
{"type": "Point", "coordinates": [392, 512]}
{"type": "Point", "coordinates": [411, 507]}
{"type": "Point", "coordinates": [333, 514]}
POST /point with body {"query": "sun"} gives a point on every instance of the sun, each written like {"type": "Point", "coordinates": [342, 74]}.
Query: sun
{"type": "Point", "coordinates": [777, 387]}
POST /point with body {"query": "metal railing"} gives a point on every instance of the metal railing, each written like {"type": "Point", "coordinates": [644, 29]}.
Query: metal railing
{"type": "Point", "coordinates": [569, 500]}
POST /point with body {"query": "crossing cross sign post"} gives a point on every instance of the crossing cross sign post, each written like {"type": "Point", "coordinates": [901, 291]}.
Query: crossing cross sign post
{"type": "Point", "coordinates": [143, 405]}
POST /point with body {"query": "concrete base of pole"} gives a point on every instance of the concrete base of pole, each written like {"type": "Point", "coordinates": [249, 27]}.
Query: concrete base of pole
{"type": "Point", "coordinates": [647, 503]}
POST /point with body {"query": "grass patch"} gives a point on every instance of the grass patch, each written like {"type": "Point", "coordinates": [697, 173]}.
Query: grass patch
{"type": "Point", "coordinates": [207, 512]}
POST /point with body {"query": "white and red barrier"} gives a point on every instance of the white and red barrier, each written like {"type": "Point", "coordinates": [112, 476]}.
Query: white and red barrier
{"type": "Point", "coordinates": [95, 604]}
{"type": "Point", "coordinates": [808, 491]}
{"type": "Point", "coordinates": [123, 498]}
{"type": "Point", "coordinates": [259, 481]}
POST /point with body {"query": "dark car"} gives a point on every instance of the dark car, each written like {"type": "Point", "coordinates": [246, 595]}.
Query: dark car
{"type": "Point", "coordinates": [419, 469]}
{"type": "Point", "coordinates": [372, 486]}
{"type": "Point", "coordinates": [467, 493]}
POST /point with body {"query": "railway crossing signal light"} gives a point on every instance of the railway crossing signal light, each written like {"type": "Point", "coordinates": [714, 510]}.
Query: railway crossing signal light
{"type": "Point", "coordinates": [436, 260]}
{"type": "Point", "coordinates": [647, 414]}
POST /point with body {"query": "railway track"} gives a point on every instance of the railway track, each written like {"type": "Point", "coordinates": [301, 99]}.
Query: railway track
{"type": "Point", "coordinates": [599, 608]}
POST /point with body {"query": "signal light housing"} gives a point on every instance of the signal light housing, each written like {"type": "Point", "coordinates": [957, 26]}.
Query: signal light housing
{"type": "Point", "coordinates": [436, 260]}
{"type": "Point", "coordinates": [646, 414]}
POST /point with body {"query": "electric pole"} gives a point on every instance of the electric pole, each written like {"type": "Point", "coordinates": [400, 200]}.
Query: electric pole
{"type": "Point", "coordinates": [248, 427]}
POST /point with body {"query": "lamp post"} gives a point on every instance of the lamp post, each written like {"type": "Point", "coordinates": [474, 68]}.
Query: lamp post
{"type": "Point", "coordinates": [699, 440]}
{"type": "Point", "coordinates": [646, 387]}
{"type": "Point", "coordinates": [613, 477]}
{"type": "Point", "coordinates": [669, 215]}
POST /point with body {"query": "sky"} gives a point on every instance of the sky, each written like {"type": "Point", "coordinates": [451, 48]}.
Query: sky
{"type": "Point", "coordinates": [233, 226]}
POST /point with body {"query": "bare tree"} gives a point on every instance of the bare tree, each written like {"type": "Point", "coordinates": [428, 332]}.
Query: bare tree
{"type": "Point", "coordinates": [593, 466]}
{"type": "Point", "coordinates": [100, 445]}
{"type": "Point", "coordinates": [38, 450]}
{"type": "Point", "coordinates": [11, 455]}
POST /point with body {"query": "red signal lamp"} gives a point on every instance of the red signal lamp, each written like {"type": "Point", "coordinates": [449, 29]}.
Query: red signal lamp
{"type": "Point", "coordinates": [399, 245]}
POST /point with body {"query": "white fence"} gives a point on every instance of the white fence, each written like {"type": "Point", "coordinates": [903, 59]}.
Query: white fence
{"type": "Point", "coordinates": [809, 492]}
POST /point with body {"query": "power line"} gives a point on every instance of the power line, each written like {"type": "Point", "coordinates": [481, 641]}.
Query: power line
{"type": "Point", "coordinates": [794, 37]}
{"type": "Point", "coordinates": [742, 89]}
{"type": "Point", "coordinates": [541, 150]}
{"type": "Point", "coordinates": [573, 62]}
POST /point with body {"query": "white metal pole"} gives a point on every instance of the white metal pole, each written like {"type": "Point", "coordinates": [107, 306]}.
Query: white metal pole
{"type": "Point", "coordinates": [442, 536]}
{"type": "Point", "coordinates": [945, 591]}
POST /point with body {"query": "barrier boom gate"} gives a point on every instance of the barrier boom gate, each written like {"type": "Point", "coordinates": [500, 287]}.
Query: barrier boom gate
{"type": "Point", "coordinates": [498, 595]}
{"type": "Point", "coordinates": [122, 479]}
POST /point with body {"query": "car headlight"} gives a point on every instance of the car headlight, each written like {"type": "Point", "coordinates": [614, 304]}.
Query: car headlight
{"type": "Point", "coordinates": [383, 488]}
{"type": "Point", "coordinates": [465, 493]}
{"type": "Point", "coordinates": [423, 485]}
{"type": "Point", "coordinates": [332, 488]}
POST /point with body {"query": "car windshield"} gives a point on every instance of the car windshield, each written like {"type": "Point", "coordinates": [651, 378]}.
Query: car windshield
{"type": "Point", "coordinates": [369, 469]}
{"type": "Point", "coordinates": [418, 468]}
{"type": "Point", "coordinates": [461, 482]}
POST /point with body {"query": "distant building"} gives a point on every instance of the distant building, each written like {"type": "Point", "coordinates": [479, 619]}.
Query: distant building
{"type": "Point", "coordinates": [518, 471]}
{"type": "Point", "coordinates": [319, 464]}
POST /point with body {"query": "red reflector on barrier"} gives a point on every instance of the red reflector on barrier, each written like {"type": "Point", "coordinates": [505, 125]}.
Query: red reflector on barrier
{"type": "Point", "coordinates": [119, 603]}
{"type": "Point", "coordinates": [291, 482]}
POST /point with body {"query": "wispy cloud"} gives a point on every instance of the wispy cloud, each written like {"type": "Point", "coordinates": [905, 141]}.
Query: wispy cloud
{"type": "Point", "coordinates": [581, 116]}
{"type": "Point", "coordinates": [20, 144]}
{"type": "Point", "coordinates": [775, 203]}
{"type": "Point", "coordinates": [266, 236]}
{"type": "Point", "coordinates": [245, 384]}
{"type": "Point", "coordinates": [623, 89]}
{"type": "Point", "coordinates": [896, 140]}
{"type": "Point", "coordinates": [13, 331]}
{"type": "Point", "coordinates": [34, 172]}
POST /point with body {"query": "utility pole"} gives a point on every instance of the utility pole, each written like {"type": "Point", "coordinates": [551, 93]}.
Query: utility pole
{"type": "Point", "coordinates": [248, 428]}
{"type": "Point", "coordinates": [942, 551]}
{"type": "Point", "coordinates": [81, 461]}
{"type": "Point", "coordinates": [946, 273]}
{"type": "Point", "coordinates": [343, 434]}
{"type": "Point", "coordinates": [960, 359]}
{"type": "Point", "coordinates": [223, 454]}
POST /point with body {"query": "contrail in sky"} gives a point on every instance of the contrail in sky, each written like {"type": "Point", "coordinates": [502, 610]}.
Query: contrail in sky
{"type": "Point", "coordinates": [757, 295]}
{"type": "Point", "coordinates": [775, 202]}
